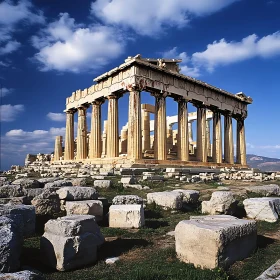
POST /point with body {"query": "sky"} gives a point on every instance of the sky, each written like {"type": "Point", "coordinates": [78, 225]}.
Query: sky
{"type": "Point", "coordinates": [50, 48]}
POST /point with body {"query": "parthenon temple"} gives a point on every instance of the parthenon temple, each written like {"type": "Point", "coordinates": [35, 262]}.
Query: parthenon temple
{"type": "Point", "coordinates": [145, 141]}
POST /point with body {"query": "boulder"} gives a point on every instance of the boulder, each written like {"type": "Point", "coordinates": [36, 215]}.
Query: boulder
{"type": "Point", "coordinates": [215, 241]}
{"type": "Point", "coordinates": [11, 239]}
{"type": "Point", "coordinates": [46, 203]}
{"type": "Point", "coordinates": [172, 200]}
{"type": "Point", "coordinates": [21, 275]}
{"type": "Point", "coordinates": [12, 191]}
{"type": "Point", "coordinates": [127, 199]}
{"type": "Point", "coordinates": [85, 207]}
{"type": "Point", "coordinates": [77, 193]}
{"type": "Point", "coordinates": [126, 216]}
{"type": "Point", "coordinates": [70, 242]}
{"type": "Point", "coordinates": [221, 202]}
{"type": "Point", "coordinates": [263, 208]}
{"type": "Point", "coordinates": [266, 190]}
{"type": "Point", "coordinates": [26, 212]}
{"type": "Point", "coordinates": [27, 183]}
{"type": "Point", "coordinates": [103, 183]}
{"type": "Point", "coordinates": [273, 272]}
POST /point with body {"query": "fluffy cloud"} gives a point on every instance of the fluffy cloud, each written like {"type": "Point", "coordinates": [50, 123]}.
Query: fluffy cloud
{"type": "Point", "coordinates": [223, 52]}
{"type": "Point", "coordinates": [5, 91]}
{"type": "Point", "coordinates": [66, 46]}
{"type": "Point", "coordinates": [57, 117]}
{"type": "Point", "coordinates": [10, 112]}
{"type": "Point", "coordinates": [151, 17]}
{"type": "Point", "coordinates": [11, 14]}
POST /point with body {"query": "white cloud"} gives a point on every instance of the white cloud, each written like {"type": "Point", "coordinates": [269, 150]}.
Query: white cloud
{"type": "Point", "coordinates": [223, 52]}
{"type": "Point", "coordinates": [5, 91]}
{"type": "Point", "coordinates": [4, 64]}
{"type": "Point", "coordinates": [67, 46]}
{"type": "Point", "coordinates": [11, 14]}
{"type": "Point", "coordinates": [57, 117]}
{"type": "Point", "coordinates": [10, 112]}
{"type": "Point", "coordinates": [151, 17]}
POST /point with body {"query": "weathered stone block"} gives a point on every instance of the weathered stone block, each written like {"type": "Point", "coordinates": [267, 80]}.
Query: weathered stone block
{"type": "Point", "coordinates": [266, 190]}
{"type": "Point", "coordinates": [171, 200]}
{"type": "Point", "coordinates": [262, 209]}
{"type": "Point", "coordinates": [128, 180]}
{"type": "Point", "coordinates": [273, 272]}
{"type": "Point", "coordinates": [103, 183]}
{"type": "Point", "coordinates": [77, 193]}
{"type": "Point", "coordinates": [126, 216]}
{"type": "Point", "coordinates": [127, 199]}
{"type": "Point", "coordinates": [85, 207]}
{"type": "Point", "coordinates": [212, 241]}
{"type": "Point", "coordinates": [221, 202]}
{"type": "Point", "coordinates": [58, 183]}
{"type": "Point", "coordinates": [189, 196]}
{"type": "Point", "coordinates": [27, 212]}
{"type": "Point", "coordinates": [27, 183]}
{"type": "Point", "coordinates": [12, 191]}
{"type": "Point", "coordinates": [21, 275]}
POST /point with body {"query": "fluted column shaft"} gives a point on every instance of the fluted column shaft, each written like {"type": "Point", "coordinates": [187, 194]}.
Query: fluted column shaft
{"type": "Point", "coordinates": [241, 143]}
{"type": "Point", "coordinates": [228, 139]}
{"type": "Point", "coordinates": [104, 139]}
{"type": "Point", "coordinates": [95, 145]}
{"type": "Point", "coordinates": [217, 138]}
{"type": "Point", "coordinates": [82, 134]}
{"type": "Point", "coordinates": [58, 148]}
{"type": "Point", "coordinates": [201, 143]}
{"type": "Point", "coordinates": [146, 131]}
{"type": "Point", "coordinates": [134, 142]}
{"type": "Point", "coordinates": [113, 127]}
{"type": "Point", "coordinates": [69, 136]}
{"type": "Point", "coordinates": [190, 131]}
{"type": "Point", "coordinates": [183, 131]}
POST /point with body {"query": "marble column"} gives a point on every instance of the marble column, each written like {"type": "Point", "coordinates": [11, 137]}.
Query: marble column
{"type": "Point", "coordinates": [134, 141]}
{"type": "Point", "coordinates": [82, 134]}
{"type": "Point", "coordinates": [160, 126]}
{"type": "Point", "coordinates": [104, 139]}
{"type": "Point", "coordinates": [217, 138]}
{"type": "Point", "coordinates": [241, 142]}
{"type": "Point", "coordinates": [169, 138]}
{"type": "Point", "coordinates": [113, 127]}
{"type": "Point", "coordinates": [201, 143]}
{"type": "Point", "coordinates": [69, 136]}
{"type": "Point", "coordinates": [228, 139]}
{"type": "Point", "coordinates": [208, 140]}
{"type": "Point", "coordinates": [183, 129]}
{"type": "Point", "coordinates": [123, 140]}
{"type": "Point", "coordinates": [95, 144]}
{"type": "Point", "coordinates": [190, 130]}
{"type": "Point", "coordinates": [146, 144]}
{"type": "Point", "coordinates": [58, 148]}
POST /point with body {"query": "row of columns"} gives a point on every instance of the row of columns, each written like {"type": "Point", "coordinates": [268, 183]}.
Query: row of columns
{"type": "Point", "coordinates": [134, 135]}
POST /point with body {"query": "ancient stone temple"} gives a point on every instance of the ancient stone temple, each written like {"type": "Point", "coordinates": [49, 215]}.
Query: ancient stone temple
{"type": "Point", "coordinates": [146, 141]}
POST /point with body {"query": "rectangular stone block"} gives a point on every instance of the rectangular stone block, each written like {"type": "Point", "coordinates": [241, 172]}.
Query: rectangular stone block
{"type": "Point", "coordinates": [126, 216]}
{"type": "Point", "coordinates": [172, 200]}
{"type": "Point", "coordinates": [77, 193]}
{"type": "Point", "coordinates": [215, 241]}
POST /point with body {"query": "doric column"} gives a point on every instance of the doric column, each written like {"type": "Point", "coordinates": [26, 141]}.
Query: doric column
{"type": "Point", "coordinates": [228, 139]}
{"type": "Point", "coordinates": [82, 134]}
{"type": "Point", "coordinates": [95, 144]}
{"type": "Point", "coordinates": [183, 129]}
{"type": "Point", "coordinates": [208, 140]}
{"type": "Point", "coordinates": [160, 126]}
{"type": "Point", "coordinates": [113, 127]}
{"type": "Point", "coordinates": [201, 143]}
{"type": "Point", "coordinates": [134, 141]}
{"type": "Point", "coordinates": [146, 144]}
{"type": "Point", "coordinates": [69, 136]}
{"type": "Point", "coordinates": [169, 138]}
{"type": "Point", "coordinates": [123, 140]}
{"type": "Point", "coordinates": [241, 142]}
{"type": "Point", "coordinates": [217, 138]}
{"type": "Point", "coordinates": [190, 130]}
{"type": "Point", "coordinates": [58, 148]}
{"type": "Point", "coordinates": [104, 139]}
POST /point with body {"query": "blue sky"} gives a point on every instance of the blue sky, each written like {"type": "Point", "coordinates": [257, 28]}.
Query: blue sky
{"type": "Point", "coordinates": [48, 49]}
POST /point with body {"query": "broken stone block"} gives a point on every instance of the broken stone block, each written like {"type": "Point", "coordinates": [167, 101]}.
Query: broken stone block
{"type": "Point", "coordinates": [153, 177]}
{"type": "Point", "coordinates": [126, 216]}
{"type": "Point", "coordinates": [12, 191]}
{"type": "Point", "coordinates": [215, 241]}
{"type": "Point", "coordinates": [46, 203]}
{"type": "Point", "coordinates": [263, 208]}
{"type": "Point", "coordinates": [21, 275]}
{"type": "Point", "coordinates": [273, 272]}
{"type": "Point", "coordinates": [221, 202]}
{"type": "Point", "coordinates": [58, 183]}
{"type": "Point", "coordinates": [127, 199]}
{"type": "Point", "coordinates": [85, 207]}
{"type": "Point", "coordinates": [102, 183]}
{"type": "Point", "coordinates": [11, 239]}
{"type": "Point", "coordinates": [27, 183]}
{"type": "Point", "coordinates": [79, 182]}
{"type": "Point", "coordinates": [26, 212]}
{"type": "Point", "coordinates": [4, 181]}
{"type": "Point", "coordinates": [128, 180]}
{"type": "Point", "coordinates": [189, 196]}
{"type": "Point", "coordinates": [70, 242]}
{"type": "Point", "coordinates": [172, 200]}
{"type": "Point", "coordinates": [77, 193]}
{"type": "Point", "coordinates": [266, 190]}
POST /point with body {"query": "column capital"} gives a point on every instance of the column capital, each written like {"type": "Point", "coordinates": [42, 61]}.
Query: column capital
{"type": "Point", "coordinates": [113, 96]}
{"type": "Point", "coordinates": [158, 94]}
{"type": "Point", "coordinates": [70, 111]}
{"type": "Point", "coordinates": [98, 101]}
{"type": "Point", "coordinates": [227, 113]}
{"type": "Point", "coordinates": [133, 88]}
{"type": "Point", "coordinates": [179, 98]}
{"type": "Point", "coordinates": [198, 104]}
